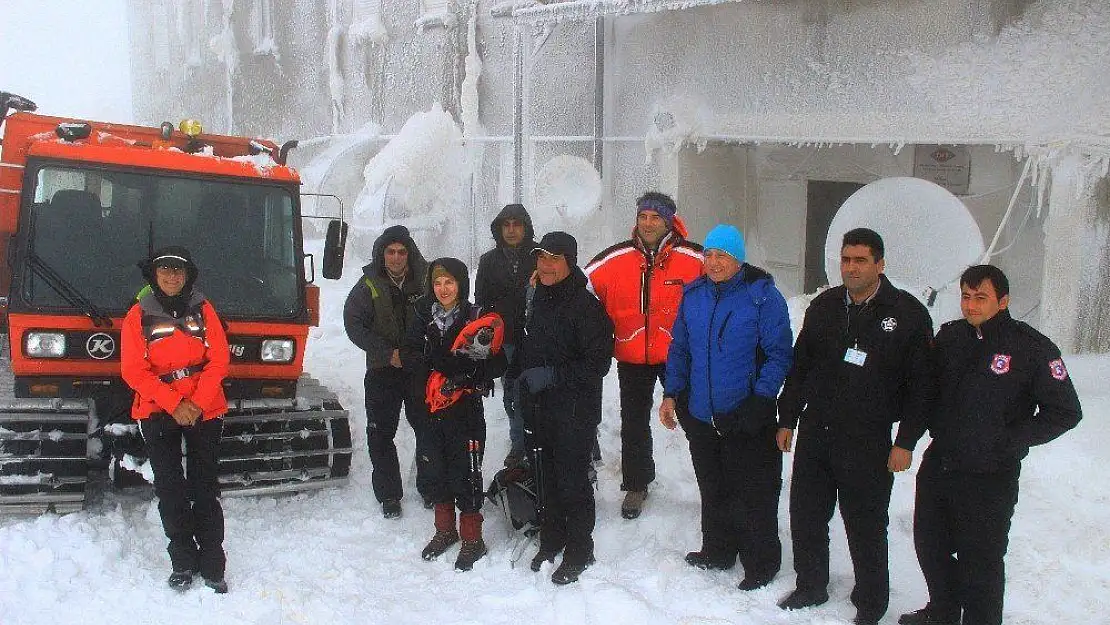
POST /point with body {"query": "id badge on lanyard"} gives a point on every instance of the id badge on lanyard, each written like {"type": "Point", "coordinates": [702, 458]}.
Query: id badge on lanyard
{"type": "Point", "coordinates": [855, 356]}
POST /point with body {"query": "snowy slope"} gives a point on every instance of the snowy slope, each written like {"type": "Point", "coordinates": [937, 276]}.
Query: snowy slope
{"type": "Point", "coordinates": [329, 557]}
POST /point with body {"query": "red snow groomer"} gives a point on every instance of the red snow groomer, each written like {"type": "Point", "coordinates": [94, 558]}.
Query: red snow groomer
{"type": "Point", "coordinates": [80, 204]}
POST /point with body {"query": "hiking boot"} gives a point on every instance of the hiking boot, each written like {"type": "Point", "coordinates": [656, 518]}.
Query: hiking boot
{"type": "Point", "coordinates": [568, 573]}
{"type": "Point", "coordinates": [710, 562]}
{"type": "Point", "coordinates": [753, 583]}
{"type": "Point", "coordinates": [633, 503]}
{"type": "Point", "coordinates": [471, 552]}
{"type": "Point", "coordinates": [930, 616]}
{"type": "Point", "coordinates": [218, 585]}
{"type": "Point", "coordinates": [803, 599]}
{"type": "Point", "coordinates": [429, 501]}
{"type": "Point", "coordinates": [180, 580]}
{"type": "Point", "coordinates": [544, 555]}
{"type": "Point", "coordinates": [440, 542]}
{"type": "Point", "coordinates": [391, 509]}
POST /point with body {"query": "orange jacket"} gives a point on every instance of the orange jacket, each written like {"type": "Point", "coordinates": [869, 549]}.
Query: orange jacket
{"type": "Point", "coordinates": [641, 294]}
{"type": "Point", "coordinates": [142, 365]}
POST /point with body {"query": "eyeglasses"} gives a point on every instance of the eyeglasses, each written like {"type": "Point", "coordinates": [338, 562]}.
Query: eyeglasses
{"type": "Point", "coordinates": [167, 269]}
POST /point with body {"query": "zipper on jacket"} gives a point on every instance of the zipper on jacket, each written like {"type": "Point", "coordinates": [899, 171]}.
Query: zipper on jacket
{"type": "Point", "coordinates": [709, 361]}
{"type": "Point", "coordinates": [645, 303]}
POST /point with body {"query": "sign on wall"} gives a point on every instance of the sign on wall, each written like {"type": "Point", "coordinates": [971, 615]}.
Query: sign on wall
{"type": "Point", "coordinates": [946, 165]}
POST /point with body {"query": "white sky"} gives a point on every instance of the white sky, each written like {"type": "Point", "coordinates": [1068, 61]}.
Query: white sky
{"type": "Point", "coordinates": [71, 57]}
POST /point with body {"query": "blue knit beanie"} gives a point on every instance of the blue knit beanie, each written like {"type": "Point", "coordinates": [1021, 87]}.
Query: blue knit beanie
{"type": "Point", "coordinates": [727, 239]}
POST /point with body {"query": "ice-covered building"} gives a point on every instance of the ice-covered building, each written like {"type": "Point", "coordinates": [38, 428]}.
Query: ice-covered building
{"type": "Point", "coordinates": [764, 113]}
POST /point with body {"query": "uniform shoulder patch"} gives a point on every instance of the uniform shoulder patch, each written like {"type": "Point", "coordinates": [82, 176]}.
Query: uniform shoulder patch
{"type": "Point", "coordinates": [1058, 370]}
{"type": "Point", "coordinates": [1000, 363]}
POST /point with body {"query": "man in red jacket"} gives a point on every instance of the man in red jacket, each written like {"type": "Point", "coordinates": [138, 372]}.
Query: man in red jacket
{"type": "Point", "coordinates": [639, 281]}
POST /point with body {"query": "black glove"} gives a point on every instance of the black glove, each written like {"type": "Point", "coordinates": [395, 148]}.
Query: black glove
{"type": "Point", "coordinates": [537, 379]}
{"type": "Point", "coordinates": [752, 416]}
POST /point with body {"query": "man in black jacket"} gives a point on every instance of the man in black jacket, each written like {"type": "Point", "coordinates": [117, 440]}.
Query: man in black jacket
{"type": "Point", "coordinates": [860, 364]}
{"type": "Point", "coordinates": [376, 317]}
{"type": "Point", "coordinates": [565, 351]}
{"type": "Point", "coordinates": [1001, 388]}
{"type": "Point", "coordinates": [503, 274]}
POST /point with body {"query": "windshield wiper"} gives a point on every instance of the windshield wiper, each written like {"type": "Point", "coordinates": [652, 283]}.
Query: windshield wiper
{"type": "Point", "coordinates": [69, 293]}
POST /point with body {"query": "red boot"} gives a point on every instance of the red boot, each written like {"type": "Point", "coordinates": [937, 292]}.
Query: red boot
{"type": "Point", "coordinates": [445, 535]}
{"type": "Point", "coordinates": [473, 547]}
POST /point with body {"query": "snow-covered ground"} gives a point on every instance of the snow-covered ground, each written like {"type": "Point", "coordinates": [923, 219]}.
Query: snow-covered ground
{"type": "Point", "coordinates": [330, 557]}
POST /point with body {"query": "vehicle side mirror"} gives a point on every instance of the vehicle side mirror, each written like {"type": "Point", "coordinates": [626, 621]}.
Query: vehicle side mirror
{"type": "Point", "coordinates": [335, 243]}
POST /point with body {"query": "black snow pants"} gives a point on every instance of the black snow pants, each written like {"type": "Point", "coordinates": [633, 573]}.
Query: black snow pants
{"type": "Point", "coordinates": [387, 389]}
{"type": "Point", "coordinates": [739, 478]}
{"type": "Point", "coordinates": [961, 526]}
{"type": "Point", "coordinates": [852, 469]}
{"type": "Point", "coordinates": [189, 500]}
{"type": "Point", "coordinates": [637, 388]}
{"type": "Point", "coordinates": [569, 513]}
{"type": "Point", "coordinates": [453, 449]}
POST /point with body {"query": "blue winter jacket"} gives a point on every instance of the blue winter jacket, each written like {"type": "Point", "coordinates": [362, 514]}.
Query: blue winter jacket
{"type": "Point", "coordinates": [730, 340]}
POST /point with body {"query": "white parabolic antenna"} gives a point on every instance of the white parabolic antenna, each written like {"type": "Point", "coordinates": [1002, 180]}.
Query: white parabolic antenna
{"type": "Point", "coordinates": [929, 235]}
{"type": "Point", "coordinates": [568, 189]}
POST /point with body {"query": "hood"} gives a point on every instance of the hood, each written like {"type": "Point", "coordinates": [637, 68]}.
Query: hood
{"type": "Point", "coordinates": [395, 234]}
{"type": "Point", "coordinates": [515, 211]}
{"type": "Point", "coordinates": [456, 268]}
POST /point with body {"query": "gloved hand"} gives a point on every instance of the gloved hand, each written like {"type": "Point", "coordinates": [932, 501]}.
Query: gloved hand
{"type": "Point", "coordinates": [536, 379]}
{"type": "Point", "coordinates": [753, 415]}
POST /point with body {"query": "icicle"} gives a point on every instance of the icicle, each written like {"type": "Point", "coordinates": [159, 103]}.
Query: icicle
{"type": "Point", "coordinates": [470, 101]}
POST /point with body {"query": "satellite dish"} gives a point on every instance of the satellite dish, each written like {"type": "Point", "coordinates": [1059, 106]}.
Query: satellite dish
{"type": "Point", "coordinates": [568, 189]}
{"type": "Point", "coordinates": [929, 234]}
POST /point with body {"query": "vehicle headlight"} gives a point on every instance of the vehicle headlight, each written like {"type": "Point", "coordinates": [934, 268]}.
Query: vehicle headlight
{"type": "Point", "coordinates": [45, 344]}
{"type": "Point", "coordinates": [277, 350]}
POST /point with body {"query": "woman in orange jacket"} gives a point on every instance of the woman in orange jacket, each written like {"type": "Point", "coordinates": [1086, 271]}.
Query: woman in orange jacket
{"type": "Point", "coordinates": [175, 356]}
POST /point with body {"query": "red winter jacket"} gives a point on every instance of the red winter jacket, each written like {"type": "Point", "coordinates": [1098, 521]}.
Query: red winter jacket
{"type": "Point", "coordinates": [143, 362]}
{"type": "Point", "coordinates": [641, 296]}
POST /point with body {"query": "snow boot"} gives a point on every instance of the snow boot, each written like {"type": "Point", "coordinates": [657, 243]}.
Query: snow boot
{"type": "Point", "coordinates": [568, 572]}
{"type": "Point", "coordinates": [180, 580]}
{"type": "Point", "coordinates": [804, 598]}
{"type": "Point", "coordinates": [445, 535]}
{"type": "Point", "coordinates": [473, 547]}
{"type": "Point", "coordinates": [544, 555]}
{"type": "Point", "coordinates": [217, 585]}
{"type": "Point", "coordinates": [391, 509]}
{"type": "Point", "coordinates": [930, 616]}
{"type": "Point", "coordinates": [709, 561]}
{"type": "Point", "coordinates": [633, 503]}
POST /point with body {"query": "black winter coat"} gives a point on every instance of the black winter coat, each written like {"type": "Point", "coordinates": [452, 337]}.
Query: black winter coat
{"type": "Point", "coordinates": [568, 330]}
{"type": "Point", "coordinates": [500, 289]}
{"type": "Point", "coordinates": [1000, 390]}
{"type": "Point", "coordinates": [895, 331]}
{"type": "Point", "coordinates": [376, 316]}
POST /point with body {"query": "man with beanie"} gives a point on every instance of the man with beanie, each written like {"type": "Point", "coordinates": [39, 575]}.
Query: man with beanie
{"type": "Point", "coordinates": [640, 281]}
{"type": "Point", "coordinates": [376, 316]}
{"type": "Point", "coordinates": [726, 363]}
{"type": "Point", "coordinates": [565, 350]}
{"type": "Point", "coordinates": [860, 364]}
{"type": "Point", "coordinates": [502, 281]}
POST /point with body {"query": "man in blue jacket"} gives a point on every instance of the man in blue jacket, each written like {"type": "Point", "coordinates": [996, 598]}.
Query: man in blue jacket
{"type": "Point", "coordinates": [730, 351]}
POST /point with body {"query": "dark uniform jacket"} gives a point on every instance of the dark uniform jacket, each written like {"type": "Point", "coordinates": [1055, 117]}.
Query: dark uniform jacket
{"type": "Point", "coordinates": [568, 329]}
{"type": "Point", "coordinates": [501, 284]}
{"type": "Point", "coordinates": [893, 329]}
{"type": "Point", "coordinates": [1000, 390]}
{"type": "Point", "coordinates": [377, 313]}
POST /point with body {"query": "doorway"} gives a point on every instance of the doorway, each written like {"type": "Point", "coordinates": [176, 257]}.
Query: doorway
{"type": "Point", "coordinates": [823, 199]}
